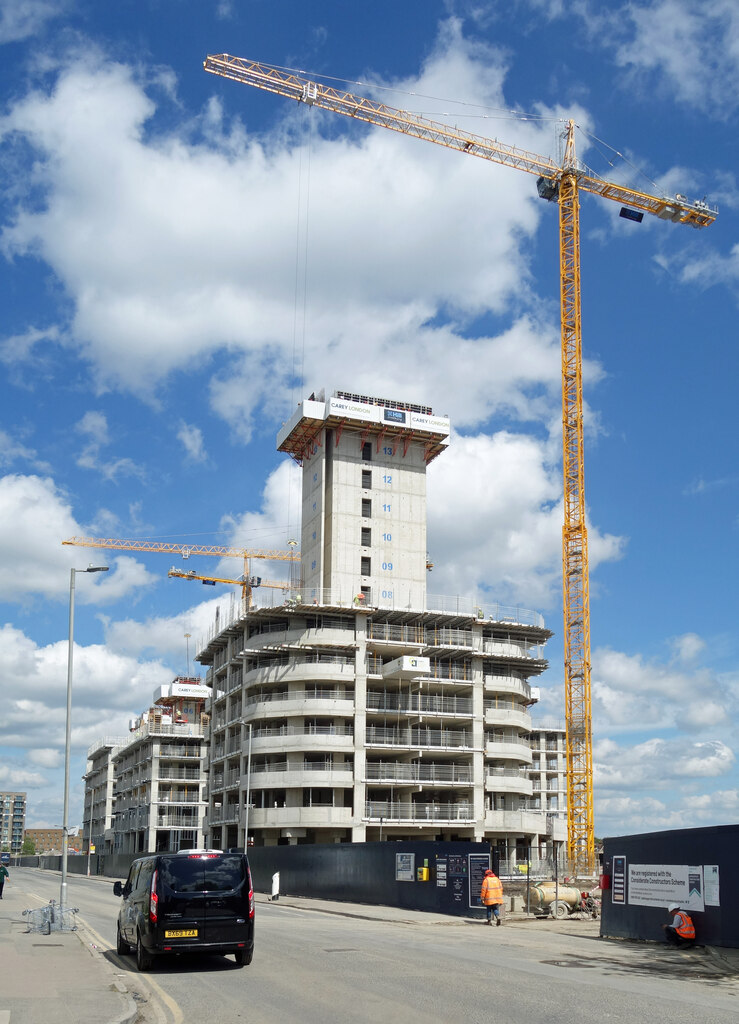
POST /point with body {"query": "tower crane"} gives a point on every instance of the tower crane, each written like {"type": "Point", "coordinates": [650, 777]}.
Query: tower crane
{"type": "Point", "coordinates": [247, 583]}
{"type": "Point", "coordinates": [562, 183]}
{"type": "Point", "coordinates": [185, 550]}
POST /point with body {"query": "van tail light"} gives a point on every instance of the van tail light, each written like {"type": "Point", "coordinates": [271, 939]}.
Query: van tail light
{"type": "Point", "coordinates": [251, 893]}
{"type": "Point", "coordinates": [153, 899]}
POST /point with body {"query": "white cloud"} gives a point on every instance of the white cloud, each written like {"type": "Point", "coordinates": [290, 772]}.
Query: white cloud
{"type": "Point", "coordinates": [94, 427]}
{"type": "Point", "coordinates": [34, 519]}
{"type": "Point", "coordinates": [631, 694]}
{"type": "Point", "coordinates": [164, 637]}
{"type": "Point", "coordinates": [109, 687]}
{"type": "Point", "coordinates": [192, 441]}
{"type": "Point", "coordinates": [687, 647]}
{"type": "Point", "coordinates": [656, 764]}
{"type": "Point", "coordinates": [46, 757]}
{"type": "Point", "coordinates": [192, 255]}
{"type": "Point", "coordinates": [495, 519]}
{"type": "Point", "coordinates": [691, 46]}
{"type": "Point", "coordinates": [12, 450]}
{"type": "Point", "coordinates": [20, 19]}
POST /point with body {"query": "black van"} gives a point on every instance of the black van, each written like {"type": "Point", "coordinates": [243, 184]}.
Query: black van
{"type": "Point", "coordinates": [191, 901]}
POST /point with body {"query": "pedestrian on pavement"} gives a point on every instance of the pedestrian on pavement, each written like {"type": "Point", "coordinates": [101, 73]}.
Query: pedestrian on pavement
{"type": "Point", "coordinates": [491, 895]}
{"type": "Point", "coordinates": [4, 873]}
{"type": "Point", "coordinates": [681, 932]}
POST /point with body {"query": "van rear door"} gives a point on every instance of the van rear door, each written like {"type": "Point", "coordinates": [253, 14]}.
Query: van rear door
{"type": "Point", "coordinates": [203, 898]}
{"type": "Point", "coordinates": [227, 890]}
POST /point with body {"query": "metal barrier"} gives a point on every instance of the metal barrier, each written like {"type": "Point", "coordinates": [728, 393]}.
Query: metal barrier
{"type": "Point", "coordinates": [51, 918]}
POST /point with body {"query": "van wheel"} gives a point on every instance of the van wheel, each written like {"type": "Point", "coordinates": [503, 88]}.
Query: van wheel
{"type": "Point", "coordinates": [243, 957]}
{"type": "Point", "coordinates": [144, 960]}
{"type": "Point", "coordinates": [560, 910]}
{"type": "Point", "coordinates": [121, 947]}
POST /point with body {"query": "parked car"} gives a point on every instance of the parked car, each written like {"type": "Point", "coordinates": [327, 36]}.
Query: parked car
{"type": "Point", "coordinates": [194, 901]}
{"type": "Point", "coordinates": [4, 858]}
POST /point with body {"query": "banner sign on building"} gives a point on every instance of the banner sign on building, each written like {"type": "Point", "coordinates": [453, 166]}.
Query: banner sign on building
{"type": "Point", "coordinates": [658, 885]}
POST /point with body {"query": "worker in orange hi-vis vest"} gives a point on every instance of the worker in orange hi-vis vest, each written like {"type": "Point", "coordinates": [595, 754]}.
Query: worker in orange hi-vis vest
{"type": "Point", "coordinates": [491, 896]}
{"type": "Point", "coordinates": [681, 930]}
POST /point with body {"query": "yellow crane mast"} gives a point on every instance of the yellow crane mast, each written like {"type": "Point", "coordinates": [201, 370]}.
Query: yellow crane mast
{"type": "Point", "coordinates": [561, 183]}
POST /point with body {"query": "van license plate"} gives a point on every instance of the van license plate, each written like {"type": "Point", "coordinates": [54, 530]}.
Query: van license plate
{"type": "Point", "coordinates": [182, 933]}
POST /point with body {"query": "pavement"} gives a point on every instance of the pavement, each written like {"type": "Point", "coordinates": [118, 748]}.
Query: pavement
{"type": "Point", "coordinates": [67, 978]}
{"type": "Point", "coordinates": [60, 978]}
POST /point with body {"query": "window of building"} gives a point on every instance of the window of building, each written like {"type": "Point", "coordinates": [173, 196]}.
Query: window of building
{"type": "Point", "coordinates": [366, 566]}
{"type": "Point", "coordinates": [367, 451]}
{"type": "Point", "coordinates": [367, 591]}
{"type": "Point", "coordinates": [366, 508]}
{"type": "Point", "coordinates": [318, 797]}
{"type": "Point", "coordinates": [366, 478]}
{"type": "Point", "coordinates": [366, 536]}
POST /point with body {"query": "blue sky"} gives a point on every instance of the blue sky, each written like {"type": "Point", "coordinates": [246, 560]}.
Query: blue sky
{"type": "Point", "coordinates": [182, 257]}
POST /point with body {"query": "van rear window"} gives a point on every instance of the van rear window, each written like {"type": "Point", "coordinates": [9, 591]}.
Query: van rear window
{"type": "Point", "coordinates": [214, 874]}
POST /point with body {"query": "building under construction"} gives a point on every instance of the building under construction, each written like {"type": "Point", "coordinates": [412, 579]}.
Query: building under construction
{"type": "Point", "coordinates": [355, 707]}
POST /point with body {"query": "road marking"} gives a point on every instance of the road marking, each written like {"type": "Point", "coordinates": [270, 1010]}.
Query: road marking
{"type": "Point", "coordinates": [169, 1002]}
{"type": "Point", "coordinates": [4, 1016]}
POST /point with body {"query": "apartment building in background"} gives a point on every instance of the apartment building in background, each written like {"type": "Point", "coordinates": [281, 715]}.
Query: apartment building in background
{"type": "Point", "coordinates": [49, 840]}
{"type": "Point", "coordinates": [549, 768]}
{"type": "Point", "coordinates": [12, 821]}
{"type": "Point", "coordinates": [100, 791]}
{"type": "Point", "coordinates": [355, 706]}
{"type": "Point", "coordinates": [157, 774]}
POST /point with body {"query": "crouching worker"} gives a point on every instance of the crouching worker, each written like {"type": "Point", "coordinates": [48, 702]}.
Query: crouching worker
{"type": "Point", "coordinates": [681, 932]}
{"type": "Point", "coordinates": [491, 895]}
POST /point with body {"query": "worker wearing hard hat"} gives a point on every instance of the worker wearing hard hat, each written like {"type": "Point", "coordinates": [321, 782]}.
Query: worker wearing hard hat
{"type": "Point", "coordinates": [491, 896]}
{"type": "Point", "coordinates": [681, 931]}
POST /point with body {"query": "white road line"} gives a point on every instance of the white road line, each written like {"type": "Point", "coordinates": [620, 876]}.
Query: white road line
{"type": "Point", "coordinates": [169, 1002]}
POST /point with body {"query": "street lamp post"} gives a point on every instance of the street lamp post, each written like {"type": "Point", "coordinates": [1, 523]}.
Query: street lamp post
{"type": "Point", "coordinates": [68, 741]}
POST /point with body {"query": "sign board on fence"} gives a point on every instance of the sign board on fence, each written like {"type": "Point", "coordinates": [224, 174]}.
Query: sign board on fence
{"type": "Point", "coordinates": [405, 867]}
{"type": "Point", "coordinates": [479, 863]}
{"type": "Point", "coordinates": [658, 885]}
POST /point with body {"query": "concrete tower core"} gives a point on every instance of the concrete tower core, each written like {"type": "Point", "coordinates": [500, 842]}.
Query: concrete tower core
{"type": "Point", "coordinates": [364, 497]}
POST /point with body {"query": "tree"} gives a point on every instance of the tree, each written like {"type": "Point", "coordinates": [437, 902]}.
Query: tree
{"type": "Point", "coordinates": [29, 847]}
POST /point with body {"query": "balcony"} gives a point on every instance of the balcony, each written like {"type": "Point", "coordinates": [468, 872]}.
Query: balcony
{"type": "Point", "coordinates": [417, 738]}
{"type": "Point", "coordinates": [419, 703]}
{"type": "Point", "coordinates": [339, 777]}
{"type": "Point", "coordinates": [168, 774]}
{"type": "Point", "coordinates": [504, 713]}
{"type": "Point", "coordinates": [307, 738]}
{"type": "Point", "coordinates": [177, 819]}
{"type": "Point", "coordinates": [394, 639]}
{"type": "Point", "coordinates": [521, 822]}
{"type": "Point", "coordinates": [507, 684]}
{"type": "Point", "coordinates": [517, 751]}
{"type": "Point", "coordinates": [322, 701]}
{"type": "Point", "coordinates": [513, 649]}
{"type": "Point", "coordinates": [418, 813]}
{"type": "Point", "coordinates": [173, 750]}
{"type": "Point", "coordinates": [508, 780]}
{"type": "Point", "coordinates": [439, 774]}
{"type": "Point", "coordinates": [319, 668]}
{"type": "Point", "coordinates": [300, 817]}
{"type": "Point", "coordinates": [449, 638]}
